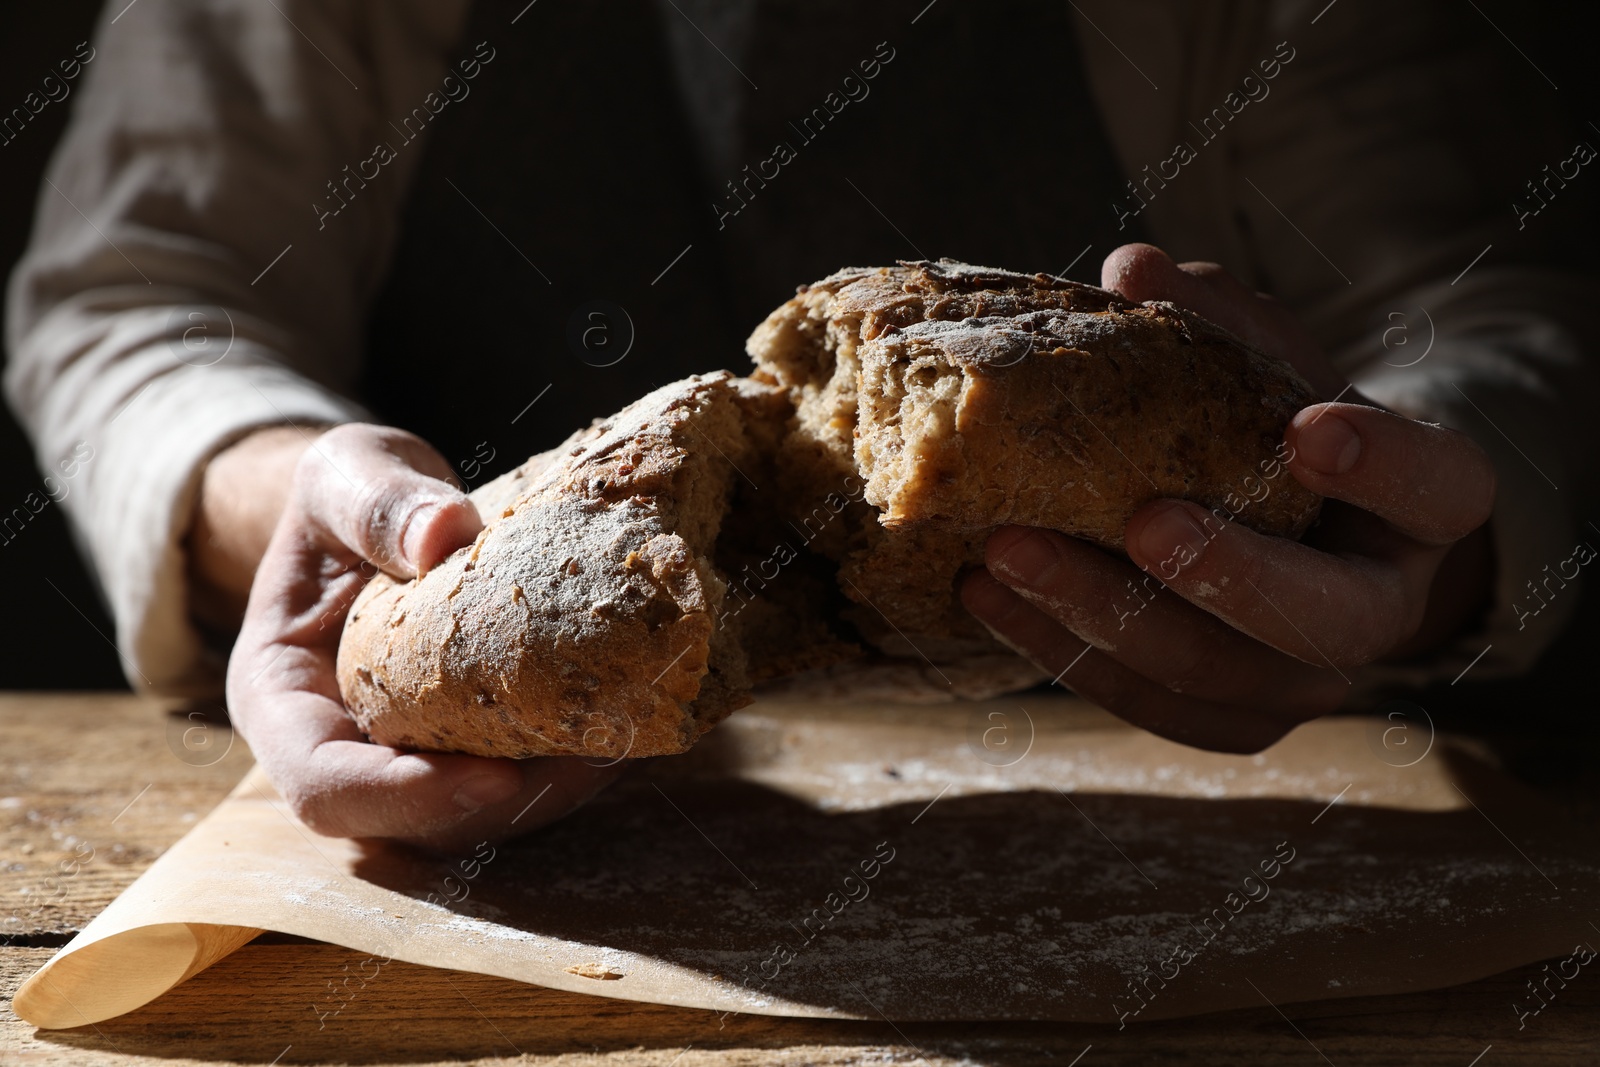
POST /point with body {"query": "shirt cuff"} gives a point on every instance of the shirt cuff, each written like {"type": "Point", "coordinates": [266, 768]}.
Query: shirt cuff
{"type": "Point", "coordinates": [141, 491]}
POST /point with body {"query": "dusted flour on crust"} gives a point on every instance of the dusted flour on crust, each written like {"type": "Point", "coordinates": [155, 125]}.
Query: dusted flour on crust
{"type": "Point", "coordinates": [803, 529]}
{"type": "Point", "coordinates": [1073, 417]}
{"type": "Point", "coordinates": [965, 397]}
{"type": "Point", "coordinates": [582, 619]}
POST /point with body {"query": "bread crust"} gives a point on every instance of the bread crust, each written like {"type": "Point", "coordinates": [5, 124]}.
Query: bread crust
{"type": "Point", "coordinates": [967, 397]}
{"type": "Point", "coordinates": [982, 396]}
{"type": "Point", "coordinates": [581, 620]}
{"type": "Point", "coordinates": [896, 415]}
{"type": "Point", "coordinates": [1073, 420]}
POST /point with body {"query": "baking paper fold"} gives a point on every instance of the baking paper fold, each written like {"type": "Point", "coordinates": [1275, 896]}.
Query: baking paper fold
{"type": "Point", "coordinates": [1027, 858]}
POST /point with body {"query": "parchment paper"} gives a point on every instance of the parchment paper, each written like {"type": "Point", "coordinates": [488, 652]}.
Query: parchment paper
{"type": "Point", "coordinates": [1013, 859]}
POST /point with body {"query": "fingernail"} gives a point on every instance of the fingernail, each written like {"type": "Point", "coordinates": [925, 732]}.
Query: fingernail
{"type": "Point", "coordinates": [1170, 539]}
{"type": "Point", "coordinates": [1023, 554]}
{"type": "Point", "coordinates": [1329, 445]}
{"type": "Point", "coordinates": [482, 791]}
{"type": "Point", "coordinates": [411, 537]}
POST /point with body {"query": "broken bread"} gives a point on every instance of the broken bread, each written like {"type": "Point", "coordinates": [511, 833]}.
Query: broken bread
{"type": "Point", "coordinates": [965, 397]}
{"type": "Point", "coordinates": [583, 618]}
{"type": "Point", "coordinates": [804, 528]}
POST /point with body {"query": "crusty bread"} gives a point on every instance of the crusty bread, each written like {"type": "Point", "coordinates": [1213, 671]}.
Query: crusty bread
{"type": "Point", "coordinates": [964, 397]}
{"type": "Point", "coordinates": [804, 527]}
{"type": "Point", "coordinates": [1065, 418]}
{"type": "Point", "coordinates": [583, 618]}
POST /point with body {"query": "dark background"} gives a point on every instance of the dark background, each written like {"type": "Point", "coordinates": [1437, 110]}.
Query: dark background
{"type": "Point", "coordinates": [49, 644]}
{"type": "Point", "coordinates": [59, 637]}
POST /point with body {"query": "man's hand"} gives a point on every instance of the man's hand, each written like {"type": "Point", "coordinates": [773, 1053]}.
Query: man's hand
{"type": "Point", "coordinates": [1254, 634]}
{"type": "Point", "coordinates": [365, 498]}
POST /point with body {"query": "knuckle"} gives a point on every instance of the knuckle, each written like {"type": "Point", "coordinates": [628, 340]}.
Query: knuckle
{"type": "Point", "coordinates": [344, 442]}
{"type": "Point", "coordinates": [407, 451]}
{"type": "Point", "coordinates": [378, 508]}
{"type": "Point", "coordinates": [347, 434]}
{"type": "Point", "coordinates": [311, 807]}
{"type": "Point", "coordinates": [1205, 269]}
{"type": "Point", "coordinates": [308, 470]}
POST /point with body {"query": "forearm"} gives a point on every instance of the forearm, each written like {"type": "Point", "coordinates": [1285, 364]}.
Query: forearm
{"type": "Point", "coordinates": [242, 493]}
{"type": "Point", "coordinates": [155, 336]}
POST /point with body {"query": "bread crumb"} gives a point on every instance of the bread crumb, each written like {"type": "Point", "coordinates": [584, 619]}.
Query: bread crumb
{"type": "Point", "coordinates": [597, 971]}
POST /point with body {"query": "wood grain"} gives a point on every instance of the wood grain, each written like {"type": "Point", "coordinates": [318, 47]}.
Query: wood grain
{"type": "Point", "coordinates": [92, 789]}
{"type": "Point", "coordinates": [74, 764]}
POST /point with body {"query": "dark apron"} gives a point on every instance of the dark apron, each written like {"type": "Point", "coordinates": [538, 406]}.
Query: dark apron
{"type": "Point", "coordinates": [606, 138]}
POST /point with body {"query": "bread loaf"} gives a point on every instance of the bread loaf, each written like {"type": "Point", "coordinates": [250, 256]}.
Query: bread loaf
{"type": "Point", "coordinates": [805, 526]}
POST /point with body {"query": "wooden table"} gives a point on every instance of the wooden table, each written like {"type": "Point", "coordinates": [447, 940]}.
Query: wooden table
{"type": "Point", "coordinates": [95, 787]}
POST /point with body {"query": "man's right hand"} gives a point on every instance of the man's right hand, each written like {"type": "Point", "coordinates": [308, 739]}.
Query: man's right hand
{"type": "Point", "coordinates": [361, 499]}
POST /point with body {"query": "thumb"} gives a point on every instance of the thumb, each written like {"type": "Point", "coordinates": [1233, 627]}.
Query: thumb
{"type": "Point", "coordinates": [382, 495]}
{"type": "Point", "coordinates": [1144, 272]}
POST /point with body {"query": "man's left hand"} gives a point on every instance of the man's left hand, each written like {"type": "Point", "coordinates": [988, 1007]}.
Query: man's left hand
{"type": "Point", "coordinates": [1251, 634]}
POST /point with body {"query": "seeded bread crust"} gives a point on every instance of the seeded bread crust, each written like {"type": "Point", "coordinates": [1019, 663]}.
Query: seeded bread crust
{"type": "Point", "coordinates": [804, 528]}
{"type": "Point", "coordinates": [582, 619]}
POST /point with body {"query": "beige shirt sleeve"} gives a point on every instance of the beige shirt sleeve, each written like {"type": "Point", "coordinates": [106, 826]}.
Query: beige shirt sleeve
{"type": "Point", "coordinates": [162, 309]}
{"type": "Point", "coordinates": [202, 134]}
{"type": "Point", "coordinates": [1357, 184]}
